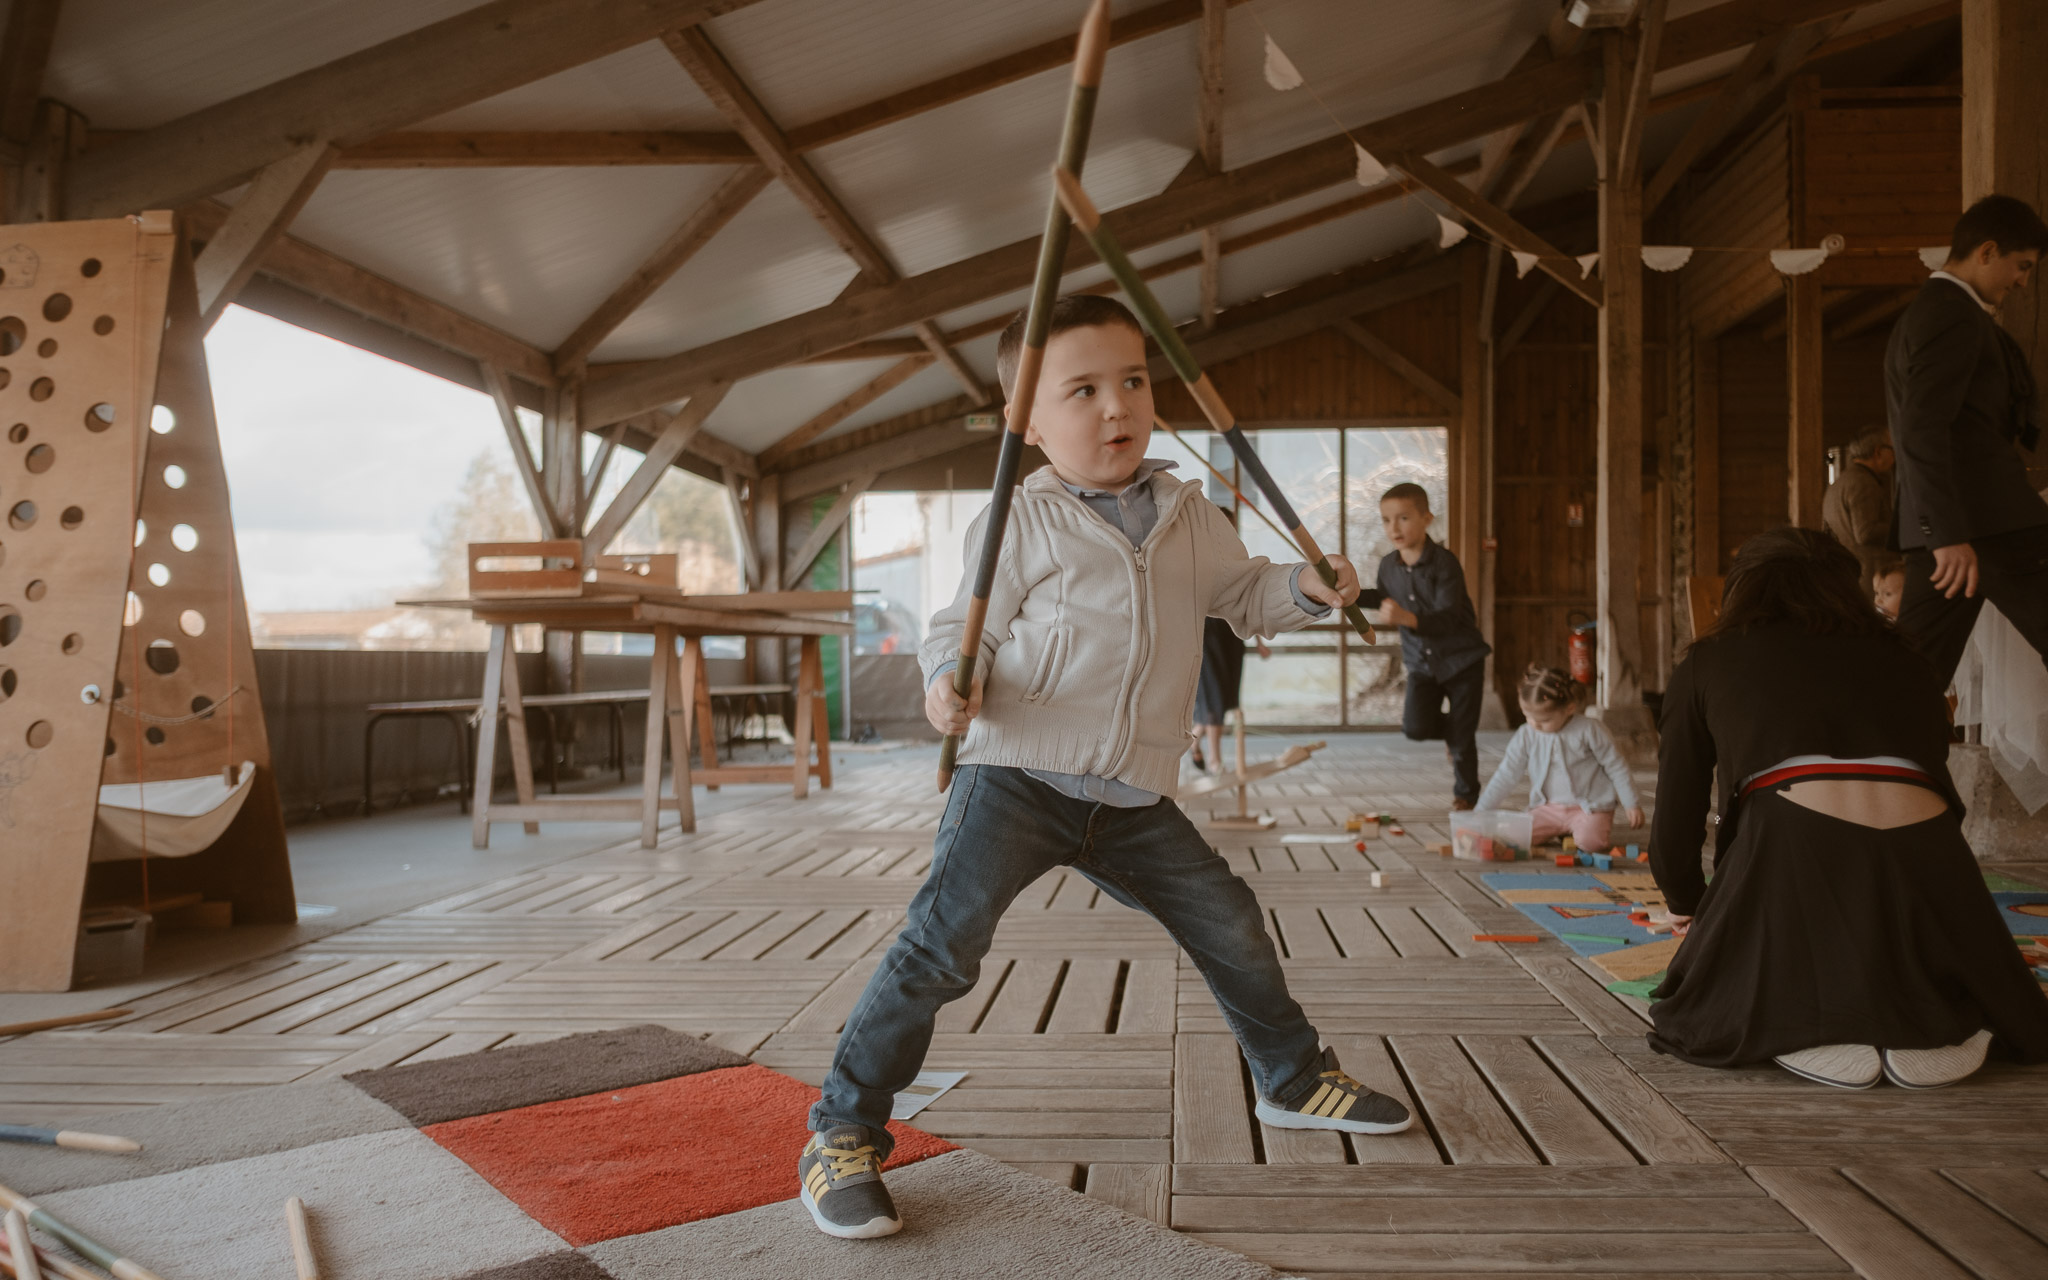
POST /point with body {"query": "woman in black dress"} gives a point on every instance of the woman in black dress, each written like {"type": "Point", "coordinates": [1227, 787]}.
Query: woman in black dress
{"type": "Point", "coordinates": [1847, 934]}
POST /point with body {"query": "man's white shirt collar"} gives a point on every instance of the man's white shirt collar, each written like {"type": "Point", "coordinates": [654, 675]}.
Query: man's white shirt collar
{"type": "Point", "coordinates": [1966, 288]}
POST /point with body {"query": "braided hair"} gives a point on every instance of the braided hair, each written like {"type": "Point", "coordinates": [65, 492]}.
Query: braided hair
{"type": "Point", "coordinates": [1550, 688]}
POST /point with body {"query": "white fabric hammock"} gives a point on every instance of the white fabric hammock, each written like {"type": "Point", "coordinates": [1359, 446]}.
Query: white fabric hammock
{"type": "Point", "coordinates": [174, 818]}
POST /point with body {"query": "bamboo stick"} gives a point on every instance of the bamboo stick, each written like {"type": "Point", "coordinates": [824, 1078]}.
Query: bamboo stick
{"type": "Point", "coordinates": [1243, 502]}
{"type": "Point", "coordinates": [66, 1138]}
{"type": "Point", "coordinates": [84, 1245]}
{"type": "Point", "coordinates": [1089, 53]}
{"type": "Point", "coordinates": [1067, 185]}
{"type": "Point", "coordinates": [68, 1020]}
{"type": "Point", "coordinates": [51, 1264]}
{"type": "Point", "coordinates": [21, 1247]}
{"type": "Point", "coordinates": [302, 1240]}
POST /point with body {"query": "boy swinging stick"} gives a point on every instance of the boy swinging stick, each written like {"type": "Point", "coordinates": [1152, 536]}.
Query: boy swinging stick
{"type": "Point", "coordinates": [1071, 705]}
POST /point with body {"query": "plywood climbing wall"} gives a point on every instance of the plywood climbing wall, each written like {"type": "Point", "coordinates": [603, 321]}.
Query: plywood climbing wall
{"type": "Point", "coordinates": [186, 700]}
{"type": "Point", "coordinates": [81, 323]}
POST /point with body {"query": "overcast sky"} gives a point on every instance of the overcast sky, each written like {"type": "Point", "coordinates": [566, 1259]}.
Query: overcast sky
{"type": "Point", "coordinates": [337, 460]}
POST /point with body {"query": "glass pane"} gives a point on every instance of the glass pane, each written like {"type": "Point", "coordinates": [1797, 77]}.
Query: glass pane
{"type": "Point", "coordinates": [1297, 685]}
{"type": "Point", "coordinates": [909, 555]}
{"type": "Point", "coordinates": [1377, 683]}
{"type": "Point", "coordinates": [1378, 458]}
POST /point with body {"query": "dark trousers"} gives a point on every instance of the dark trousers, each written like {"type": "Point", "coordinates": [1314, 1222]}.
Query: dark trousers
{"type": "Point", "coordinates": [1423, 718]}
{"type": "Point", "coordinates": [2012, 573]}
{"type": "Point", "coordinates": [1003, 829]}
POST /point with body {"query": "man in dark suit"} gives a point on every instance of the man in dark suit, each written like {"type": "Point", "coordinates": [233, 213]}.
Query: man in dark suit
{"type": "Point", "coordinates": [1961, 396]}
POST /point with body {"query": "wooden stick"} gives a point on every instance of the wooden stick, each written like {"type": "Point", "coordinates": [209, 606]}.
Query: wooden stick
{"type": "Point", "coordinates": [1089, 53]}
{"type": "Point", "coordinates": [21, 1247]}
{"type": "Point", "coordinates": [66, 1138]}
{"type": "Point", "coordinates": [1243, 502]}
{"type": "Point", "coordinates": [68, 1020]}
{"type": "Point", "coordinates": [82, 1244]}
{"type": "Point", "coordinates": [51, 1264]}
{"type": "Point", "coordinates": [1081, 209]}
{"type": "Point", "coordinates": [302, 1241]}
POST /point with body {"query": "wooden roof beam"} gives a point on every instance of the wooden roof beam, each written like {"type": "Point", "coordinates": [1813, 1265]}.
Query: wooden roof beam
{"type": "Point", "coordinates": [734, 100]}
{"type": "Point", "coordinates": [1498, 223]}
{"type": "Point", "coordinates": [1209, 121]}
{"type": "Point", "coordinates": [474, 55]}
{"type": "Point", "coordinates": [677, 431]}
{"type": "Point", "coordinates": [255, 224]}
{"type": "Point", "coordinates": [845, 407]}
{"type": "Point", "coordinates": [1635, 111]}
{"type": "Point", "coordinates": [315, 271]}
{"type": "Point", "coordinates": [24, 55]}
{"type": "Point", "coordinates": [683, 244]}
{"type": "Point", "coordinates": [1185, 210]}
{"type": "Point", "coordinates": [1410, 372]}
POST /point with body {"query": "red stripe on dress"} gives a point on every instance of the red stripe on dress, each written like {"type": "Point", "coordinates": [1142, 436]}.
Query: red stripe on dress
{"type": "Point", "coordinates": [1792, 773]}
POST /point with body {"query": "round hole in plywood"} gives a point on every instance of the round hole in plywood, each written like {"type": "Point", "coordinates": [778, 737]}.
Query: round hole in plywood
{"type": "Point", "coordinates": [12, 334]}
{"type": "Point", "coordinates": [46, 348]}
{"type": "Point", "coordinates": [10, 625]}
{"type": "Point", "coordinates": [201, 704]}
{"type": "Point", "coordinates": [184, 537]}
{"type": "Point", "coordinates": [41, 389]}
{"type": "Point", "coordinates": [39, 735]}
{"type": "Point", "coordinates": [174, 476]}
{"type": "Point", "coordinates": [99, 417]}
{"type": "Point", "coordinates": [192, 622]}
{"type": "Point", "coordinates": [103, 326]}
{"type": "Point", "coordinates": [161, 657]}
{"type": "Point", "coordinates": [110, 748]}
{"type": "Point", "coordinates": [162, 420]}
{"type": "Point", "coordinates": [5, 378]}
{"type": "Point", "coordinates": [130, 615]}
{"type": "Point", "coordinates": [74, 644]}
{"type": "Point", "coordinates": [22, 514]}
{"type": "Point", "coordinates": [141, 531]}
{"type": "Point", "coordinates": [40, 459]}
{"type": "Point", "coordinates": [8, 681]}
{"type": "Point", "coordinates": [120, 691]}
{"type": "Point", "coordinates": [72, 517]}
{"type": "Point", "coordinates": [17, 433]}
{"type": "Point", "coordinates": [89, 268]}
{"type": "Point", "coordinates": [35, 590]}
{"type": "Point", "coordinates": [56, 307]}
{"type": "Point", "coordinates": [3, 553]}
{"type": "Point", "coordinates": [159, 576]}
{"type": "Point", "coordinates": [154, 736]}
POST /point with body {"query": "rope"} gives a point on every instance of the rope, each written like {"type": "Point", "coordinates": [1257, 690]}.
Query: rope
{"type": "Point", "coordinates": [227, 698]}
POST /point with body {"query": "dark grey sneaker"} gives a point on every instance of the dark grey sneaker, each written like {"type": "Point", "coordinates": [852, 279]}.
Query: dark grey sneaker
{"type": "Point", "coordinates": [840, 1179]}
{"type": "Point", "coordinates": [1337, 1102]}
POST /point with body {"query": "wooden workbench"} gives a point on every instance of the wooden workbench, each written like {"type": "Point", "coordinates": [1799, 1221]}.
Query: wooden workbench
{"type": "Point", "coordinates": [676, 683]}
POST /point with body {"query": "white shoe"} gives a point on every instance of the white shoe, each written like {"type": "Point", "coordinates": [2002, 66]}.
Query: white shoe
{"type": "Point", "coordinates": [1845, 1066]}
{"type": "Point", "coordinates": [1933, 1068]}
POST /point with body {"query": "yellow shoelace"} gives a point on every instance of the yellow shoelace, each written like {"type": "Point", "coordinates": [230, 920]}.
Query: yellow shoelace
{"type": "Point", "coordinates": [845, 1163]}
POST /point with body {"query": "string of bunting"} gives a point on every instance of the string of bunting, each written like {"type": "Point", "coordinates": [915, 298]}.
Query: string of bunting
{"type": "Point", "coordinates": [1284, 76]}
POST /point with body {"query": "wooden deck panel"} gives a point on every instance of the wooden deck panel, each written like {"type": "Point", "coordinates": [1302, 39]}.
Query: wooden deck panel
{"type": "Point", "coordinates": [1550, 1138]}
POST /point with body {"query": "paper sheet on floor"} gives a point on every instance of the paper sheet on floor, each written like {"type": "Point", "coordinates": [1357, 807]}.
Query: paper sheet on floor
{"type": "Point", "coordinates": [923, 1091]}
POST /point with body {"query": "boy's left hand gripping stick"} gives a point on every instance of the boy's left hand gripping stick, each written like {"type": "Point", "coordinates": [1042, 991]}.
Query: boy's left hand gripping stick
{"type": "Point", "coordinates": [1089, 53]}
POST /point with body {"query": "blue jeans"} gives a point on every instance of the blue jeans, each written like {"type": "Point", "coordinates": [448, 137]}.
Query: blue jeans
{"type": "Point", "coordinates": [1002, 830]}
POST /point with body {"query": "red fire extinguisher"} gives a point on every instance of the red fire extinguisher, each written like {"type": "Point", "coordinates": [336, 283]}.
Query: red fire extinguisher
{"type": "Point", "coordinates": [1580, 647]}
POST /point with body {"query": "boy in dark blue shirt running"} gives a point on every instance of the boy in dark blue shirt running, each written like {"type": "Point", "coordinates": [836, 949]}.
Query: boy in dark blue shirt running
{"type": "Point", "coordinates": [1424, 588]}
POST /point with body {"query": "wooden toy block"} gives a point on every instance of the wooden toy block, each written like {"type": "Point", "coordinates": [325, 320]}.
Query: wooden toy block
{"type": "Point", "coordinates": [1565, 860]}
{"type": "Point", "coordinates": [1379, 879]}
{"type": "Point", "coordinates": [1603, 862]}
{"type": "Point", "coordinates": [1442, 850]}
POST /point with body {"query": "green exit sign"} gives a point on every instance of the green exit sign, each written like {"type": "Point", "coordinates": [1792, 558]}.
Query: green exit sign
{"type": "Point", "coordinates": [984, 421]}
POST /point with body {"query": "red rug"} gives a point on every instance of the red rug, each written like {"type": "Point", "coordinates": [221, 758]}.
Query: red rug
{"type": "Point", "coordinates": [650, 1156]}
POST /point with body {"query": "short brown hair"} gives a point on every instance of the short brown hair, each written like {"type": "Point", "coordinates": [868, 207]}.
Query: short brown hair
{"type": "Point", "coordinates": [1071, 311]}
{"type": "Point", "coordinates": [2008, 222]}
{"type": "Point", "coordinates": [1887, 565]}
{"type": "Point", "coordinates": [1407, 491]}
{"type": "Point", "coordinates": [1800, 578]}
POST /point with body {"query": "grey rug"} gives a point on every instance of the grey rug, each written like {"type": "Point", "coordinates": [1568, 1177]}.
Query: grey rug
{"type": "Point", "coordinates": [966, 1217]}
{"type": "Point", "coordinates": [477, 1084]}
{"type": "Point", "coordinates": [185, 1135]}
{"type": "Point", "coordinates": [553, 1266]}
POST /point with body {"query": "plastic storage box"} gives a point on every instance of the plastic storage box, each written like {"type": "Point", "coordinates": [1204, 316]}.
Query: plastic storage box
{"type": "Point", "coordinates": [1491, 835]}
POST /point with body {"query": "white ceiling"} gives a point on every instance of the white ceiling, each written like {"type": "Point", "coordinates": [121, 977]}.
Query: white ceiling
{"type": "Point", "coordinates": [533, 250]}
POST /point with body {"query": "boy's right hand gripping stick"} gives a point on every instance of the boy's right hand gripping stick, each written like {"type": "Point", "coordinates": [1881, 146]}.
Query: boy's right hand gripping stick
{"type": "Point", "coordinates": [1089, 52]}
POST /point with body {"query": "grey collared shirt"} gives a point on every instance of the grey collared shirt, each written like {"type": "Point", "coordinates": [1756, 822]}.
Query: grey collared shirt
{"type": "Point", "coordinates": [1134, 510]}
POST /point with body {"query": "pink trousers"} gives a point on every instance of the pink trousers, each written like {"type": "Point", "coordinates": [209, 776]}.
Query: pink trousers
{"type": "Point", "coordinates": [1593, 832]}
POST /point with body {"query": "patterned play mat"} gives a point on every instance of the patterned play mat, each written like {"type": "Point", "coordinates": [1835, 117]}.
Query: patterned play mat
{"type": "Point", "coordinates": [617, 1155]}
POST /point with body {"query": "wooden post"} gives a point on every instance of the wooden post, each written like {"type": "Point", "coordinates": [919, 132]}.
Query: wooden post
{"type": "Point", "coordinates": [38, 195]}
{"type": "Point", "coordinates": [515, 729]}
{"type": "Point", "coordinates": [764, 653]}
{"type": "Point", "coordinates": [1805, 439]}
{"type": "Point", "coordinates": [677, 710]}
{"type": "Point", "coordinates": [808, 690]}
{"type": "Point", "coordinates": [495, 657]}
{"type": "Point", "coordinates": [657, 720]}
{"type": "Point", "coordinates": [2005, 149]}
{"type": "Point", "coordinates": [1620, 496]}
{"type": "Point", "coordinates": [1706, 455]}
{"type": "Point", "coordinates": [697, 706]}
